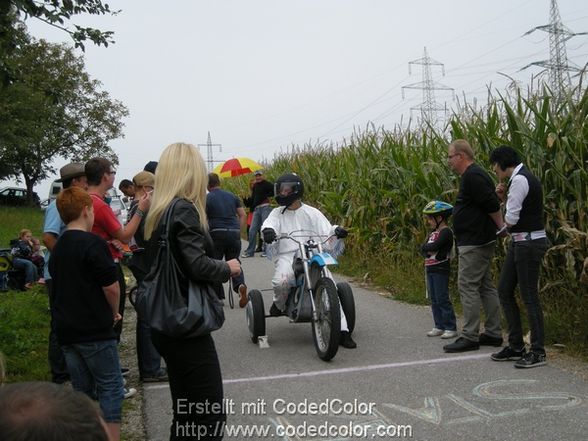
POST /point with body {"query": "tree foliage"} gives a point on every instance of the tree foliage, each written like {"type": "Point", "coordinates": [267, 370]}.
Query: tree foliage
{"type": "Point", "coordinates": [53, 109]}
{"type": "Point", "coordinates": [59, 13]}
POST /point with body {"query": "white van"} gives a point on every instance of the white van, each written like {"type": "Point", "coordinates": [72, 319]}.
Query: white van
{"type": "Point", "coordinates": [54, 190]}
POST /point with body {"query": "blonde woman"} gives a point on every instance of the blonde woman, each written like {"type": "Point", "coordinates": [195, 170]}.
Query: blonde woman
{"type": "Point", "coordinates": [192, 363]}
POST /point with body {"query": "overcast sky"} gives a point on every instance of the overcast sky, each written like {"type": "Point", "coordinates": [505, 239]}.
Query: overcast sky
{"type": "Point", "coordinates": [261, 75]}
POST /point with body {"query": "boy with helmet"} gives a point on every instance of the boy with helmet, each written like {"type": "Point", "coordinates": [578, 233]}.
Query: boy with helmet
{"type": "Point", "coordinates": [436, 252]}
{"type": "Point", "coordinates": [293, 215]}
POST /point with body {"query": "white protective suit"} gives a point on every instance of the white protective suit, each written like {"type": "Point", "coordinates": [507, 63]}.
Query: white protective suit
{"type": "Point", "coordinates": [284, 221]}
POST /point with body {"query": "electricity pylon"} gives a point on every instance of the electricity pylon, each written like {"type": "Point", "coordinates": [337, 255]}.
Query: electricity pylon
{"type": "Point", "coordinates": [209, 154]}
{"type": "Point", "coordinates": [429, 107]}
{"type": "Point", "coordinates": [558, 66]}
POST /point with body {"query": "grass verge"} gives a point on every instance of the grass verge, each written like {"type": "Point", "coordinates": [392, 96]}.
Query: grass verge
{"type": "Point", "coordinates": [24, 331]}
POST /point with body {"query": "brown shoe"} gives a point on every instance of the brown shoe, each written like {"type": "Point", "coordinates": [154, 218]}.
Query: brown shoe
{"type": "Point", "coordinates": [242, 295]}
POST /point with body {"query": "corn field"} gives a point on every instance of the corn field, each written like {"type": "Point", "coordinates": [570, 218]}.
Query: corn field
{"type": "Point", "coordinates": [378, 182]}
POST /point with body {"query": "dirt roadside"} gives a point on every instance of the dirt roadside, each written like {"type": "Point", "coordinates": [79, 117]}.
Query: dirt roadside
{"type": "Point", "coordinates": [133, 422]}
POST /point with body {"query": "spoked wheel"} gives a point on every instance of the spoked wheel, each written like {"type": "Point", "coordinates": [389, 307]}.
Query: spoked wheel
{"type": "Point", "coordinates": [347, 303]}
{"type": "Point", "coordinates": [229, 293]}
{"type": "Point", "coordinates": [255, 313]}
{"type": "Point", "coordinates": [326, 330]}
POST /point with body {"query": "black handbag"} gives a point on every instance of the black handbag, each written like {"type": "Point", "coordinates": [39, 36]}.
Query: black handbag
{"type": "Point", "coordinates": [160, 302]}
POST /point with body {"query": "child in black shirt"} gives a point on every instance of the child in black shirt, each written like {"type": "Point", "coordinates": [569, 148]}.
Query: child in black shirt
{"type": "Point", "coordinates": [85, 306]}
{"type": "Point", "coordinates": [437, 254]}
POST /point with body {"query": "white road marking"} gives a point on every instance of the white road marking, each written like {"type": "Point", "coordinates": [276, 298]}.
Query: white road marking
{"type": "Point", "coordinates": [348, 370]}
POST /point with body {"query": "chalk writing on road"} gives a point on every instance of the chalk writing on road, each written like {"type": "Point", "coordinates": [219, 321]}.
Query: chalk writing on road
{"type": "Point", "coordinates": [492, 393]}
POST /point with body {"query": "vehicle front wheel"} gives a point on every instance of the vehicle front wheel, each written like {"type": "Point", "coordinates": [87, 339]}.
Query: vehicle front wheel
{"type": "Point", "coordinates": [326, 329]}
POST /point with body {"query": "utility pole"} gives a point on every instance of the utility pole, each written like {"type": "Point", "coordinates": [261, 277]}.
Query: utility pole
{"type": "Point", "coordinates": [558, 66]}
{"type": "Point", "coordinates": [429, 107]}
{"type": "Point", "coordinates": [209, 155]}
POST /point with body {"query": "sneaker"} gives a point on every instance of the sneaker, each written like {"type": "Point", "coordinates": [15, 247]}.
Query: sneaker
{"type": "Point", "coordinates": [124, 371]}
{"type": "Point", "coordinates": [530, 360]}
{"type": "Point", "coordinates": [435, 332]}
{"type": "Point", "coordinates": [488, 340]}
{"type": "Point", "coordinates": [263, 254]}
{"type": "Point", "coordinates": [242, 295]}
{"type": "Point", "coordinates": [245, 255]}
{"type": "Point", "coordinates": [275, 311]}
{"type": "Point", "coordinates": [507, 354]}
{"type": "Point", "coordinates": [161, 376]}
{"type": "Point", "coordinates": [129, 392]}
{"type": "Point", "coordinates": [346, 341]}
{"type": "Point", "coordinates": [449, 334]}
{"type": "Point", "coordinates": [462, 344]}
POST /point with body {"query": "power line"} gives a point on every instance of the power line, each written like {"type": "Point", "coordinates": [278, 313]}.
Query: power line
{"type": "Point", "coordinates": [429, 107]}
{"type": "Point", "coordinates": [209, 152]}
{"type": "Point", "coordinates": [558, 66]}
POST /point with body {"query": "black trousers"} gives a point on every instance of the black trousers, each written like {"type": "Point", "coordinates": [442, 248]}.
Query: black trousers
{"type": "Point", "coordinates": [195, 382]}
{"type": "Point", "coordinates": [521, 266]}
{"type": "Point", "coordinates": [227, 245]}
{"type": "Point", "coordinates": [123, 297]}
{"type": "Point", "coordinates": [59, 372]}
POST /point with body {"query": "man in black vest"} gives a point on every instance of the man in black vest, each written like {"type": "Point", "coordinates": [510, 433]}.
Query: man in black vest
{"type": "Point", "coordinates": [524, 222]}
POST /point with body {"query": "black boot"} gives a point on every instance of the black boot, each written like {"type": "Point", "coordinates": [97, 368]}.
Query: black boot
{"type": "Point", "coordinates": [346, 341]}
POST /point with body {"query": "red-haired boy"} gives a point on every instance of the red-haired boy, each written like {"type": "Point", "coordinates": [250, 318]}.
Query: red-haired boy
{"type": "Point", "coordinates": [85, 307]}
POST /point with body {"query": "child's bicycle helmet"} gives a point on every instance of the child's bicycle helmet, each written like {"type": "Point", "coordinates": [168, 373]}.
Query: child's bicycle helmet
{"type": "Point", "coordinates": [441, 208]}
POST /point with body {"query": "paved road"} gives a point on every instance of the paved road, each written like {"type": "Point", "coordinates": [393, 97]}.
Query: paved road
{"type": "Point", "coordinates": [397, 383]}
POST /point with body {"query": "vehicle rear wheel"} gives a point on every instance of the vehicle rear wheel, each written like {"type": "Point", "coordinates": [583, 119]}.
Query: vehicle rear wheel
{"type": "Point", "coordinates": [347, 303]}
{"type": "Point", "coordinates": [255, 313]}
{"type": "Point", "coordinates": [326, 329]}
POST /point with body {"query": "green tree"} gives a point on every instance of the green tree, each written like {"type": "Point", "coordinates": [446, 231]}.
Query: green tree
{"type": "Point", "coordinates": [59, 13]}
{"type": "Point", "coordinates": [53, 109]}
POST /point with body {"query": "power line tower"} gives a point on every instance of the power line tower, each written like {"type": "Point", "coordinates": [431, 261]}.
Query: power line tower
{"type": "Point", "coordinates": [209, 154]}
{"type": "Point", "coordinates": [429, 107]}
{"type": "Point", "coordinates": [558, 66]}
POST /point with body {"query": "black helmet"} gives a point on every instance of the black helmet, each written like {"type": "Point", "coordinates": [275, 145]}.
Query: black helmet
{"type": "Point", "coordinates": [292, 182]}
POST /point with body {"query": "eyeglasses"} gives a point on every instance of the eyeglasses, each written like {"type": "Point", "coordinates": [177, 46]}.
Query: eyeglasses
{"type": "Point", "coordinates": [451, 156]}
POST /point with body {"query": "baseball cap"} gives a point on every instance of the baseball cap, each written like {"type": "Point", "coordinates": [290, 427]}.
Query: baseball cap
{"type": "Point", "coordinates": [71, 170]}
{"type": "Point", "coordinates": [258, 172]}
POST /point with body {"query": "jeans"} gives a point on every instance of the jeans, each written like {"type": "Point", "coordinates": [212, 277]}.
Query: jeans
{"type": "Point", "coordinates": [95, 371]}
{"type": "Point", "coordinates": [227, 245]}
{"type": "Point", "coordinates": [443, 315]}
{"type": "Point", "coordinates": [28, 267]}
{"type": "Point", "coordinates": [148, 359]}
{"type": "Point", "coordinates": [260, 214]}
{"type": "Point", "coordinates": [59, 373]}
{"type": "Point", "coordinates": [521, 266]}
{"type": "Point", "coordinates": [476, 289]}
{"type": "Point", "coordinates": [194, 380]}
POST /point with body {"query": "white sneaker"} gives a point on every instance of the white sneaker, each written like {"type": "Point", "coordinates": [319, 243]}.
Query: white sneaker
{"type": "Point", "coordinates": [435, 332]}
{"type": "Point", "coordinates": [449, 334]}
{"type": "Point", "coordinates": [130, 392]}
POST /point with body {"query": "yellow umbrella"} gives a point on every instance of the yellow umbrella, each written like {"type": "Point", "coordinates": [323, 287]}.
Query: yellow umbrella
{"type": "Point", "coordinates": [236, 167]}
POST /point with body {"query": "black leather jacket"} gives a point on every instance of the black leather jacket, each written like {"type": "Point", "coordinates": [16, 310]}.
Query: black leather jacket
{"type": "Point", "coordinates": [192, 248]}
